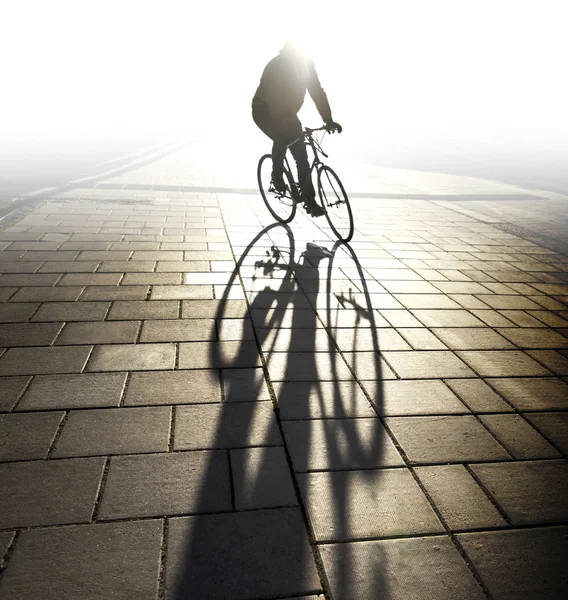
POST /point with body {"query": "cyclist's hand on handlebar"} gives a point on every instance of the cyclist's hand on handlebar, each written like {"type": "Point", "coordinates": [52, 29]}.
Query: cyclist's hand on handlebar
{"type": "Point", "coordinates": [332, 126]}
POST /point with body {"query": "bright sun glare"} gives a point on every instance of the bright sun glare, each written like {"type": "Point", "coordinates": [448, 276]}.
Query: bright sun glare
{"type": "Point", "coordinates": [409, 65]}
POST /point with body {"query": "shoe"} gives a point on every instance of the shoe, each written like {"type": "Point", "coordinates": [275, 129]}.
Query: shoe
{"type": "Point", "coordinates": [278, 183]}
{"type": "Point", "coordinates": [314, 209]}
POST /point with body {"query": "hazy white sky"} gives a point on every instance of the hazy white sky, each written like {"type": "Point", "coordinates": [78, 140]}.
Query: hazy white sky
{"type": "Point", "coordinates": [429, 65]}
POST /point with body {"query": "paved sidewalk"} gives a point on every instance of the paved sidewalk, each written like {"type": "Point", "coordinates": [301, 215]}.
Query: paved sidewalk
{"type": "Point", "coordinates": [197, 403]}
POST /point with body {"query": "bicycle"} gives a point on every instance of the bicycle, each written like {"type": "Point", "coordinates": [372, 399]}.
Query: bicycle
{"type": "Point", "coordinates": [332, 196]}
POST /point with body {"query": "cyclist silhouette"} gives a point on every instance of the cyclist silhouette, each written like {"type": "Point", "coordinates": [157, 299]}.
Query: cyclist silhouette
{"type": "Point", "coordinates": [275, 105]}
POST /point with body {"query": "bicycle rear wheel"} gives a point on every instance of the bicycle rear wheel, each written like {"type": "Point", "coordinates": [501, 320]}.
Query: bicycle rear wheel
{"type": "Point", "coordinates": [282, 206]}
{"type": "Point", "coordinates": [335, 202]}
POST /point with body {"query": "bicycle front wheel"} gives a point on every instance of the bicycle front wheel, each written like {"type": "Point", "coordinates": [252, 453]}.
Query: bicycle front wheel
{"type": "Point", "coordinates": [281, 205]}
{"type": "Point", "coordinates": [335, 202]}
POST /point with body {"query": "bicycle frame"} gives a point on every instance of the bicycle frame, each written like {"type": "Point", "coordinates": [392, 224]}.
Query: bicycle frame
{"type": "Point", "coordinates": [308, 139]}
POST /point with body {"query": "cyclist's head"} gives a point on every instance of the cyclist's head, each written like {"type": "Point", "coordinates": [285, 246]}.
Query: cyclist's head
{"type": "Point", "coordinates": [294, 47]}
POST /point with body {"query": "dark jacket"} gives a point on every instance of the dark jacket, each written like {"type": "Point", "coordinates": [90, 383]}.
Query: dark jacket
{"type": "Point", "coordinates": [283, 87]}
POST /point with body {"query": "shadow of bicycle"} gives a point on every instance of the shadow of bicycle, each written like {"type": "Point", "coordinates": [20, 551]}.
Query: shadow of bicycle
{"type": "Point", "coordinates": [296, 507]}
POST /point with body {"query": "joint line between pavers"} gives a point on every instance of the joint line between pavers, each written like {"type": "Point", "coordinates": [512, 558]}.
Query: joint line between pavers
{"type": "Point", "coordinates": [57, 435]}
{"type": "Point", "coordinates": [489, 495]}
{"type": "Point", "coordinates": [4, 560]}
{"type": "Point", "coordinates": [162, 565]}
{"type": "Point", "coordinates": [98, 497]}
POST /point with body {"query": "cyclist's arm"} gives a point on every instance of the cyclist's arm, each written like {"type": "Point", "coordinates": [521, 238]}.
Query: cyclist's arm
{"type": "Point", "coordinates": [318, 95]}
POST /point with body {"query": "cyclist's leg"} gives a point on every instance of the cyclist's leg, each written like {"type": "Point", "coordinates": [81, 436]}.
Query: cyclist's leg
{"type": "Point", "coordinates": [300, 155]}
{"type": "Point", "coordinates": [272, 127]}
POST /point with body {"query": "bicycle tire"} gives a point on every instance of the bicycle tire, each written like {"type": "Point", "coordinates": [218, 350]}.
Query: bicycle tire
{"type": "Point", "coordinates": [282, 208]}
{"type": "Point", "coordinates": [334, 201]}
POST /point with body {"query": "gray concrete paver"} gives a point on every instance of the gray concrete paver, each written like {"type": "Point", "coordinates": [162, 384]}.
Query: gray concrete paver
{"type": "Point", "coordinates": [529, 492]}
{"type": "Point", "coordinates": [52, 492]}
{"type": "Point", "coordinates": [235, 425]}
{"type": "Point", "coordinates": [202, 561]}
{"type": "Point", "coordinates": [105, 431]}
{"type": "Point", "coordinates": [27, 436]}
{"type": "Point", "coordinates": [154, 485]}
{"type": "Point", "coordinates": [87, 562]}
{"type": "Point", "coordinates": [427, 568]}
{"type": "Point", "coordinates": [520, 564]}
{"type": "Point", "coordinates": [37, 361]}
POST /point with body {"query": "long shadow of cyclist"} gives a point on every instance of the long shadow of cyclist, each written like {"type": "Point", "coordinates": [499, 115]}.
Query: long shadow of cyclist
{"type": "Point", "coordinates": [334, 440]}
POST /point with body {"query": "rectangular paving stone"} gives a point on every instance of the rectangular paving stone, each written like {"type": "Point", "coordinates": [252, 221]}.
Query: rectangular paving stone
{"type": "Point", "coordinates": [123, 310]}
{"type": "Point", "coordinates": [426, 301]}
{"type": "Point", "coordinates": [421, 339]}
{"type": "Point", "coordinates": [419, 397]}
{"type": "Point", "coordinates": [28, 334]}
{"type": "Point", "coordinates": [53, 492]}
{"type": "Point", "coordinates": [518, 317]}
{"type": "Point", "coordinates": [501, 363]}
{"type": "Point", "coordinates": [109, 292]}
{"type": "Point", "coordinates": [11, 388]}
{"type": "Point", "coordinates": [529, 492]}
{"type": "Point", "coordinates": [464, 338]}
{"type": "Point", "coordinates": [261, 478]}
{"type": "Point", "coordinates": [347, 505]}
{"type": "Point", "coordinates": [534, 394]}
{"type": "Point", "coordinates": [478, 396]}
{"type": "Point", "coordinates": [509, 302]}
{"type": "Point", "coordinates": [27, 436]}
{"type": "Point", "coordinates": [92, 279]}
{"type": "Point", "coordinates": [427, 364]}
{"type": "Point", "coordinates": [181, 292]}
{"type": "Point", "coordinates": [424, 568]}
{"type": "Point", "coordinates": [114, 431]}
{"type": "Point", "coordinates": [400, 318]}
{"type": "Point", "coordinates": [173, 387]}
{"type": "Point", "coordinates": [296, 340]}
{"type": "Point", "coordinates": [115, 332]}
{"type": "Point", "coordinates": [309, 366]}
{"type": "Point", "coordinates": [244, 385]}
{"type": "Point", "coordinates": [535, 338]}
{"type": "Point", "coordinates": [72, 311]}
{"type": "Point", "coordinates": [166, 484]}
{"type": "Point", "coordinates": [554, 425]}
{"type": "Point", "coordinates": [47, 294]}
{"type": "Point", "coordinates": [126, 266]}
{"type": "Point", "coordinates": [445, 439]}
{"type": "Point", "coordinates": [38, 361]}
{"type": "Point", "coordinates": [340, 444]}
{"type": "Point", "coordinates": [132, 357]}
{"type": "Point", "coordinates": [53, 255]}
{"type": "Point", "coordinates": [556, 362]}
{"type": "Point", "coordinates": [274, 561]}
{"type": "Point", "coordinates": [31, 279]}
{"type": "Point", "coordinates": [49, 392]}
{"type": "Point", "coordinates": [318, 400]}
{"type": "Point", "coordinates": [447, 318]}
{"type": "Point", "coordinates": [87, 562]}
{"type": "Point", "coordinates": [17, 313]}
{"type": "Point", "coordinates": [214, 355]}
{"type": "Point", "coordinates": [151, 279]}
{"type": "Point", "coordinates": [458, 498]}
{"type": "Point", "coordinates": [520, 439]}
{"type": "Point", "coordinates": [182, 330]}
{"type": "Point", "coordinates": [61, 266]}
{"type": "Point", "coordinates": [492, 318]}
{"type": "Point", "coordinates": [235, 425]}
{"type": "Point", "coordinates": [520, 564]}
{"type": "Point", "coordinates": [235, 329]}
